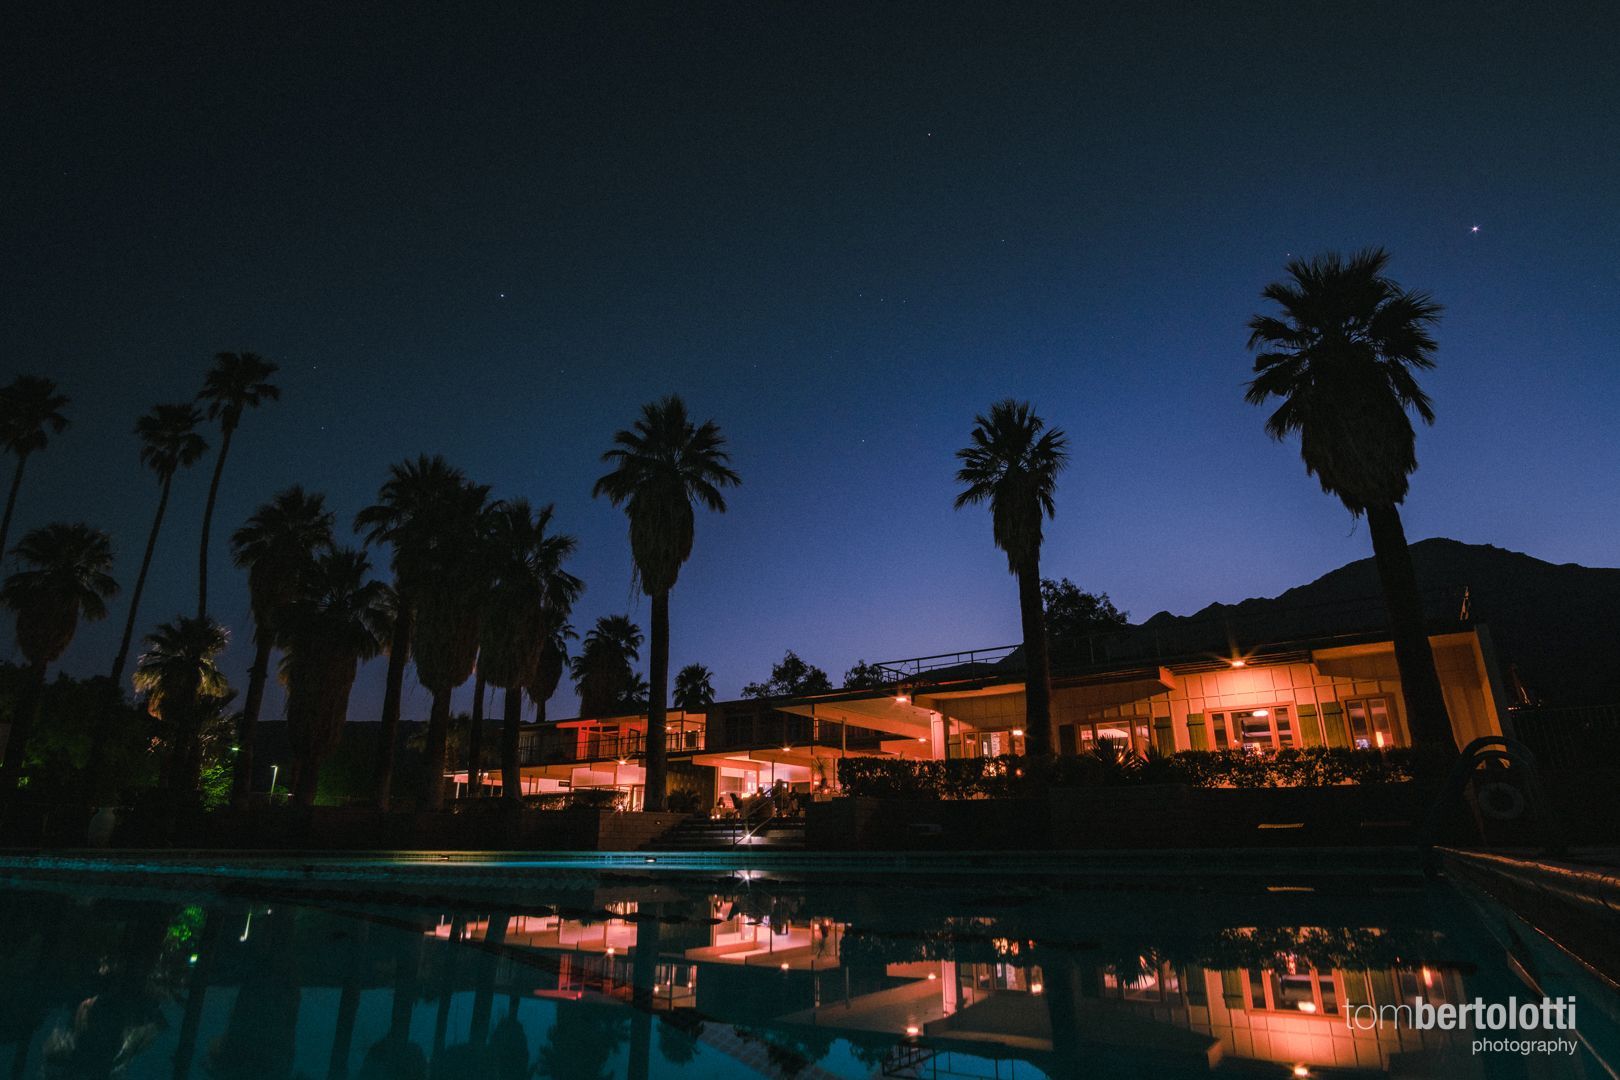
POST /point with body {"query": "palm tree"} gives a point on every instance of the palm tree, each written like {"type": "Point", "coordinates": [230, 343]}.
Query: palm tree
{"type": "Point", "coordinates": [339, 620]}
{"type": "Point", "coordinates": [169, 443]}
{"type": "Point", "coordinates": [660, 466]}
{"type": "Point", "coordinates": [694, 688]}
{"type": "Point", "coordinates": [406, 517]}
{"type": "Point", "coordinates": [65, 577]}
{"type": "Point", "coordinates": [179, 673]}
{"type": "Point", "coordinates": [30, 412]}
{"type": "Point", "coordinates": [238, 381]}
{"type": "Point", "coordinates": [278, 547]}
{"type": "Point", "coordinates": [1013, 464]}
{"type": "Point", "coordinates": [528, 587]}
{"type": "Point", "coordinates": [551, 665]}
{"type": "Point", "coordinates": [1342, 358]}
{"type": "Point", "coordinates": [449, 606]}
{"type": "Point", "coordinates": [603, 671]}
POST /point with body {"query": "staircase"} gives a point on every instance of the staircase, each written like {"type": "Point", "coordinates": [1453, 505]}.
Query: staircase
{"type": "Point", "coordinates": [723, 834]}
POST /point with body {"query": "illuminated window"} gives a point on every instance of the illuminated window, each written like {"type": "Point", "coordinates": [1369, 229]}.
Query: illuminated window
{"type": "Point", "coordinates": [1266, 728]}
{"type": "Point", "coordinates": [1370, 722]}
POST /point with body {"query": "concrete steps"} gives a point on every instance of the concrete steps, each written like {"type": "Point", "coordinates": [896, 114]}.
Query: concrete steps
{"type": "Point", "coordinates": [716, 834]}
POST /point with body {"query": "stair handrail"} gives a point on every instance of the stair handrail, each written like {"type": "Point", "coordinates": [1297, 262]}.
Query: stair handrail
{"type": "Point", "coordinates": [1482, 753]}
{"type": "Point", "coordinates": [750, 828]}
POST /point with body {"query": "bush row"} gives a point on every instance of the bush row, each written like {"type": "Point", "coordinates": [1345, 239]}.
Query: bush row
{"type": "Point", "coordinates": [1009, 776]}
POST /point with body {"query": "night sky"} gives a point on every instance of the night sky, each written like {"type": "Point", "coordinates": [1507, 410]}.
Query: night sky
{"type": "Point", "coordinates": [839, 231]}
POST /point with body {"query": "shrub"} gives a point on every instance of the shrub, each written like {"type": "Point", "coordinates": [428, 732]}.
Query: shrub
{"type": "Point", "coordinates": [1109, 766]}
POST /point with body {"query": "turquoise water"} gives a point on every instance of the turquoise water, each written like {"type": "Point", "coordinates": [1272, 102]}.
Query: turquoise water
{"type": "Point", "coordinates": [859, 970]}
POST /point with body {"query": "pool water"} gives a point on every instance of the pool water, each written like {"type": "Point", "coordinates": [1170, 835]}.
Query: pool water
{"type": "Point", "coordinates": [648, 972]}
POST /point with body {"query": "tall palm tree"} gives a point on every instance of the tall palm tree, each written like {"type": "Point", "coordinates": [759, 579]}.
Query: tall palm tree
{"type": "Point", "coordinates": [30, 412]}
{"type": "Point", "coordinates": [340, 619]}
{"type": "Point", "coordinates": [237, 382]}
{"type": "Point", "coordinates": [603, 672]}
{"type": "Point", "coordinates": [169, 443]}
{"type": "Point", "coordinates": [694, 688]}
{"type": "Point", "coordinates": [65, 577]}
{"type": "Point", "coordinates": [449, 607]}
{"type": "Point", "coordinates": [661, 465]}
{"type": "Point", "coordinates": [527, 588]}
{"type": "Point", "coordinates": [1013, 463]}
{"type": "Point", "coordinates": [278, 547]}
{"type": "Point", "coordinates": [179, 674]}
{"type": "Point", "coordinates": [1342, 358]}
{"type": "Point", "coordinates": [406, 516]}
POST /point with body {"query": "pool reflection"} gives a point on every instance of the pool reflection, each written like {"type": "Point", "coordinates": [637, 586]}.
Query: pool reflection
{"type": "Point", "coordinates": [648, 976]}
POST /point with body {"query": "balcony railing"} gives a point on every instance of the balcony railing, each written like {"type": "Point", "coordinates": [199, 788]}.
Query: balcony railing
{"type": "Point", "coordinates": [568, 746]}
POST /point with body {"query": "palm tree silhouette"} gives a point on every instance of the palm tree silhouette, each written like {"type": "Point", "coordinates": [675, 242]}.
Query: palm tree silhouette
{"type": "Point", "coordinates": [340, 619]}
{"type": "Point", "coordinates": [1341, 357]}
{"type": "Point", "coordinates": [449, 609]}
{"type": "Point", "coordinates": [65, 577]}
{"type": "Point", "coordinates": [180, 676]}
{"type": "Point", "coordinates": [553, 661]}
{"type": "Point", "coordinates": [528, 586]}
{"type": "Point", "coordinates": [278, 547]}
{"type": "Point", "coordinates": [238, 381]}
{"type": "Point", "coordinates": [694, 688]}
{"type": "Point", "coordinates": [169, 443]}
{"type": "Point", "coordinates": [661, 464]}
{"type": "Point", "coordinates": [1012, 464]}
{"type": "Point", "coordinates": [603, 672]}
{"type": "Point", "coordinates": [30, 412]}
{"type": "Point", "coordinates": [406, 517]}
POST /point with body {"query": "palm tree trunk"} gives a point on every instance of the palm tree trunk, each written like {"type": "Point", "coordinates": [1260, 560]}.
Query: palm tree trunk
{"type": "Point", "coordinates": [511, 767]}
{"type": "Point", "coordinates": [399, 654]}
{"type": "Point", "coordinates": [475, 738]}
{"type": "Point", "coordinates": [196, 994]}
{"type": "Point", "coordinates": [22, 725]}
{"type": "Point", "coordinates": [1038, 667]}
{"type": "Point", "coordinates": [308, 780]}
{"type": "Point", "coordinates": [433, 755]}
{"type": "Point", "coordinates": [1426, 716]}
{"type": "Point", "coordinates": [11, 503]}
{"type": "Point", "coordinates": [208, 521]}
{"type": "Point", "coordinates": [652, 797]}
{"type": "Point", "coordinates": [247, 724]}
{"type": "Point", "coordinates": [140, 583]}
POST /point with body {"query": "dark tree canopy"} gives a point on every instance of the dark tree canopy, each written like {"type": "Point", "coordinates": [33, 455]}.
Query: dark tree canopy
{"type": "Point", "coordinates": [864, 676]}
{"type": "Point", "coordinates": [791, 677]}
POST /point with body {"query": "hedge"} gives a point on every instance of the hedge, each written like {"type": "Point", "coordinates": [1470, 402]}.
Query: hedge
{"type": "Point", "coordinates": [1010, 776]}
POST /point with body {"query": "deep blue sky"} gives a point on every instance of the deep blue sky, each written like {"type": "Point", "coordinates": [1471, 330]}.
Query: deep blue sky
{"type": "Point", "coordinates": [837, 232]}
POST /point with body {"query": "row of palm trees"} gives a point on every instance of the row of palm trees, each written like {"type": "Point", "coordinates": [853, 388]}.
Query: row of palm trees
{"type": "Point", "coordinates": [478, 586]}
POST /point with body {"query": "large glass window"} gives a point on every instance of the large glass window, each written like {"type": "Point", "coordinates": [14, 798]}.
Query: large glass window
{"type": "Point", "coordinates": [1266, 728]}
{"type": "Point", "coordinates": [1371, 723]}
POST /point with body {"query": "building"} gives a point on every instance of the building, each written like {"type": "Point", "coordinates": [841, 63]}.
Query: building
{"type": "Point", "coordinates": [1324, 676]}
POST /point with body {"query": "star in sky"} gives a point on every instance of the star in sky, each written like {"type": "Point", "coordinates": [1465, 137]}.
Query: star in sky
{"type": "Point", "coordinates": [1474, 229]}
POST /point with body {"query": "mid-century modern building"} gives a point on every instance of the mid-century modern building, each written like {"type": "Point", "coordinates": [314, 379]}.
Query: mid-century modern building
{"type": "Point", "coordinates": [1300, 678]}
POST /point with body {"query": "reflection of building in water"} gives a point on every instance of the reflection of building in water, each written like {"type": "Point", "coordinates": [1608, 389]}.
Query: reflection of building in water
{"type": "Point", "coordinates": [1012, 998]}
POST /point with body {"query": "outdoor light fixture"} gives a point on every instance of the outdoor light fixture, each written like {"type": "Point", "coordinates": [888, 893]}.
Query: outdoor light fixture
{"type": "Point", "coordinates": [1018, 733]}
{"type": "Point", "coordinates": [784, 965]}
{"type": "Point", "coordinates": [1237, 663]}
{"type": "Point", "coordinates": [1302, 1070]}
{"type": "Point", "coordinates": [1036, 988]}
{"type": "Point", "coordinates": [913, 1030]}
{"type": "Point", "coordinates": [902, 697]}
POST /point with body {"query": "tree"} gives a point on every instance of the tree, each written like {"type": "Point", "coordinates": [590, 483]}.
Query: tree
{"type": "Point", "coordinates": [694, 688]}
{"type": "Point", "coordinates": [237, 382]}
{"type": "Point", "coordinates": [449, 606]}
{"type": "Point", "coordinates": [661, 465]}
{"type": "Point", "coordinates": [1073, 616]}
{"type": "Point", "coordinates": [169, 443]}
{"type": "Point", "coordinates": [408, 517]}
{"type": "Point", "coordinates": [553, 661]}
{"type": "Point", "coordinates": [1341, 358]}
{"type": "Point", "coordinates": [527, 588]}
{"type": "Point", "coordinates": [603, 672]}
{"type": "Point", "coordinates": [180, 676]}
{"type": "Point", "coordinates": [1013, 463]}
{"type": "Point", "coordinates": [790, 678]}
{"type": "Point", "coordinates": [30, 412]}
{"type": "Point", "coordinates": [278, 546]}
{"type": "Point", "coordinates": [65, 577]}
{"type": "Point", "coordinates": [340, 619]}
{"type": "Point", "coordinates": [864, 676]}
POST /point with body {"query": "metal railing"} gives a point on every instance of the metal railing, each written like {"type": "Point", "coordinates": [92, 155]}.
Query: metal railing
{"type": "Point", "coordinates": [1580, 738]}
{"type": "Point", "coordinates": [1231, 631]}
{"type": "Point", "coordinates": [568, 746]}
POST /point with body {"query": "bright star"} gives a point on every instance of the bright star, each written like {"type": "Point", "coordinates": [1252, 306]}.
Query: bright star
{"type": "Point", "coordinates": [1474, 229]}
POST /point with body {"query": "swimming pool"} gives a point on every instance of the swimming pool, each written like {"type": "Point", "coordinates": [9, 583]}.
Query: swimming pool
{"type": "Point", "coordinates": [592, 966]}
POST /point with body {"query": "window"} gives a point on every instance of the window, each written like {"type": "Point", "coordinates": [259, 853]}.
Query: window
{"type": "Point", "coordinates": [1127, 733]}
{"type": "Point", "coordinates": [1266, 728]}
{"type": "Point", "coordinates": [1370, 722]}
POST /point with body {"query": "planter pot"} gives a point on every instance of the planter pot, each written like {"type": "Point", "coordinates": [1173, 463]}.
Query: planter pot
{"type": "Point", "coordinates": [102, 825]}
